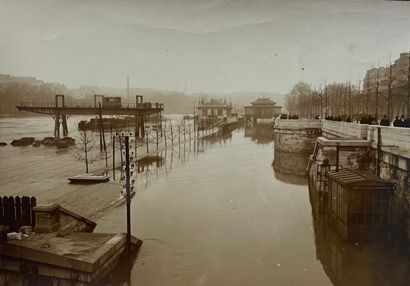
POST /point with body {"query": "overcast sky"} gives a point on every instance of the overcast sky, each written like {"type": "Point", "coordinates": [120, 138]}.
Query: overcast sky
{"type": "Point", "coordinates": [207, 46]}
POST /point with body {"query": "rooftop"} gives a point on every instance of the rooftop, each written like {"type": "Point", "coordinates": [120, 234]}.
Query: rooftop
{"type": "Point", "coordinates": [263, 101]}
{"type": "Point", "coordinates": [215, 102]}
{"type": "Point", "coordinates": [348, 177]}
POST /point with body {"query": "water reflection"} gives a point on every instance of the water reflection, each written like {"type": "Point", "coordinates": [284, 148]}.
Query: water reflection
{"type": "Point", "coordinates": [162, 163]}
{"type": "Point", "coordinates": [150, 161]}
{"type": "Point", "coordinates": [290, 179]}
{"type": "Point", "coordinates": [293, 165]}
{"type": "Point", "coordinates": [121, 273]}
{"type": "Point", "coordinates": [260, 133]}
{"type": "Point", "coordinates": [376, 262]}
{"type": "Point", "coordinates": [288, 168]}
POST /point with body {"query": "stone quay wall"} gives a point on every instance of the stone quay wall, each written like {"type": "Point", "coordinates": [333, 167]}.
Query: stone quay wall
{"type": "Point", "coordinates": [294, 138]}
{"type": "Point", "coordinates": [357, 149]}
{"type": "Point", "coordinates": [296, 135]}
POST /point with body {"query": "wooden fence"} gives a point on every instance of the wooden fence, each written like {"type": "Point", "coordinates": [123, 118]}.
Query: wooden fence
{"type": "Point", "coordinates": [16, 212]}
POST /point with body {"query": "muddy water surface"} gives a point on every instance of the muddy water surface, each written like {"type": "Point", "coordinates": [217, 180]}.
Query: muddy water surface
{"type": "Point", "coordinates": [221, 217]}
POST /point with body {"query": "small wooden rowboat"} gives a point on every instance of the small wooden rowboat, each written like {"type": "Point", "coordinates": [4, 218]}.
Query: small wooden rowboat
{"type": "Point", "coordinates": [89, 178]}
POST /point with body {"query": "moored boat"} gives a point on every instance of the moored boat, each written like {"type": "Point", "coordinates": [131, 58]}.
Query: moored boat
{"type": "Point", "coordinates": [89, 178]}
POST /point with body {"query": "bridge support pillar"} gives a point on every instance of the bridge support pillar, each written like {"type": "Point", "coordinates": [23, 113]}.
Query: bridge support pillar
{"type": "Point", "coordinates": [142, 123]}
{"type": "Point", "coordinates": [64, 124]}
{"type": "Point", "coordinates": [57, 127]}
{"type": "Point", "coordinates": [160, 123]}
{"type": "Point", "coordinates": [137, 126]}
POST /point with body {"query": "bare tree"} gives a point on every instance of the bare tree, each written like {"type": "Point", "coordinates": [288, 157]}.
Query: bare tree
{"type": "Point", "coordinates": [367, 93]}
{"type": "Point", "coordinates": [156, 136]}
{"type": "Point", "coordinates": [171, 134]}
{"type": "Point", "coordinates": [405, 83]}
{"type": "Point", "coordinates": [84, 148]}
{"type": "Point", "coordinates": [148, 135]}
{"type": "Point", "coordinates": [408, 87]}
{"type": "Point", "coordinates": [377, 93]}
{"type": "Point", "coordinates": [389, 97]}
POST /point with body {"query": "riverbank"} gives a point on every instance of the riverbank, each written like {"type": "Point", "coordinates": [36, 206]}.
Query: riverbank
{"type": "Point", "coordinates": [42, 171]}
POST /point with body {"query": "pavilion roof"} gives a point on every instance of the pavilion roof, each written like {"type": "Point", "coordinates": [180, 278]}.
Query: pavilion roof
{"type": "Point", "coordinates": [263, 101]}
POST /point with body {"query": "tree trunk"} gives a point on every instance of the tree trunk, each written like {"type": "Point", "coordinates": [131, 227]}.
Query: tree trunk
{"type": "Point", "coordinates": [408, 89]}
{"type": "Point", "coordinates": [86, 159]}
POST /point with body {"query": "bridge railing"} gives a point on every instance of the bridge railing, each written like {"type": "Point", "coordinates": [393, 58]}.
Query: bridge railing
{"type": "Point", "coordinates": [144, 105]}
{"type": "Point", "coordinates": [52, 104]}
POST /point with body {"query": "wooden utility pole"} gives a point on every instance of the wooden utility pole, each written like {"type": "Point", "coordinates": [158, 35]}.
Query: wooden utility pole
{"type": "Point", "coordinates": [128, 187]}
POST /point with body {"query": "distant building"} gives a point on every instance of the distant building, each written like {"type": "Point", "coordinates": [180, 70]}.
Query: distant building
{"type": "Point", "coordinates": [380, 77]}
{"type": "Point", "coordinates": [212, 111]}
{"type": "Point", "coordinates": [262, 110]}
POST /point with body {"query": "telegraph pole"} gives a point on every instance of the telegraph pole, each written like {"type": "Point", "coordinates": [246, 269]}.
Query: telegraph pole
{"type": "Point", "coordinates": [127, 187]}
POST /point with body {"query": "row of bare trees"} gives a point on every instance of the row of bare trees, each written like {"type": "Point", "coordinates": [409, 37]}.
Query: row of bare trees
{"type": "Point", "coordinates": [384, 91]}
{"type": "Point", "coordinates": [168, 133]}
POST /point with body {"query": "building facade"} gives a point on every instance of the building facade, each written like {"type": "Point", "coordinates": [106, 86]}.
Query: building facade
{"type": "Point", "coordinates": [214, 109]}
{"type": "Point", "coordinates": [111, 102]}
{"type": "Point", "coordinates": [262, 110]}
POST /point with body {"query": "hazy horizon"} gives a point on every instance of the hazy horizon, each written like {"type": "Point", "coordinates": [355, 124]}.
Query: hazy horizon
{"type": "Point", "coordinates": [216, 46]}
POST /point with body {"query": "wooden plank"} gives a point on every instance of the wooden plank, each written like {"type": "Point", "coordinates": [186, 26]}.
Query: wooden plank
{"type": "Point", "coordinates": [18, 212]}
{"type": "Point", "coordinates": [33, 203]}
{"type": "Point", "coordinates": [9, 214]}
{"type": "Point", "coordinates": [1, 212]}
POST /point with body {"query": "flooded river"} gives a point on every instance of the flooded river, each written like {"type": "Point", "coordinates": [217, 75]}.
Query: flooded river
{"type": "Point", "coordinates": [215, 212]}
{"type": "Point", "coordinates": [221, 217]}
